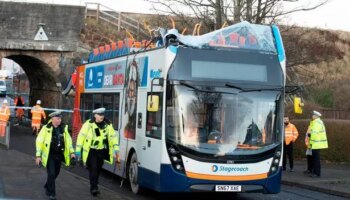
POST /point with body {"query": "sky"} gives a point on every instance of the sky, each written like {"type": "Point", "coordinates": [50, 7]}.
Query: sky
{"type": "Point", "coordinates": [334, 15]}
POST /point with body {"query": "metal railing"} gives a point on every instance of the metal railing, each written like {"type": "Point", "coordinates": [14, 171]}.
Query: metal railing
{"type": "Point", "coordinates": [335, 114]}
{"type": "Point", "coordinates": [117, 19]}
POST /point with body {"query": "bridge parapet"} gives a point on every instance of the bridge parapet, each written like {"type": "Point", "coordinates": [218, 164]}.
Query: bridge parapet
{"type": "Point", "coordinates": [38, 45]}
{"type": "Point", "coordinates": [21, 22]}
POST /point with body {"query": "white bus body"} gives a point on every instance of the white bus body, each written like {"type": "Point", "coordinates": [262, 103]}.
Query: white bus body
{"type": "Point", "coordinates": [233, 94]}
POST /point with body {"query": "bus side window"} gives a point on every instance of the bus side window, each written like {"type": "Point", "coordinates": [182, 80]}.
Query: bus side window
{"type": "Point", "coordinates": [86, 106]}
{"type": "Point", "coordinates": [116, 111]}
{"type": "Point", "coordinates": [154, 120]}
{"type": "Point", "coordinates": [109, 101]}
{"type": "Point", "coordinates": [108, 104]}
{"type": "Point", "coordinates": [97, 99]}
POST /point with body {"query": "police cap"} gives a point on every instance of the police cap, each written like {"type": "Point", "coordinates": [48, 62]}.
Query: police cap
{"type": "Point", "coordinates": [55, 114]}
{"type": "Point", "coordinates": [99, 111]}
{"type": "Point", "coordinates": [316, 113]}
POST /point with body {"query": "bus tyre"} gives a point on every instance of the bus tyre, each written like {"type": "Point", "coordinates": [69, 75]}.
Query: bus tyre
{"type": "Point", "coordinates": [133, 175]}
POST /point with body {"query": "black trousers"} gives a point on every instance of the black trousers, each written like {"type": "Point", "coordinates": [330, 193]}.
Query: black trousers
{"type": "Point", "coordinates": [309, 163]}
{"type": "Point", "coordinates": [94, 164]}
{"type": "Point", "coordinates": [288, 151]}
{"type": "Point", "coordinates": [53, 169]}
{"type": "Point", "coordinates": [316, 162]}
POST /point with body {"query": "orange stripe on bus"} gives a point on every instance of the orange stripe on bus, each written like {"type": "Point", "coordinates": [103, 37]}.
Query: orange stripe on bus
{"type": "Point", "coordinates": [226, 178]}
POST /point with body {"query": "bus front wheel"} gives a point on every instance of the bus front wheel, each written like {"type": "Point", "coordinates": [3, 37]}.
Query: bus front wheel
{"type": "Point", "coordinates": [133, 175]}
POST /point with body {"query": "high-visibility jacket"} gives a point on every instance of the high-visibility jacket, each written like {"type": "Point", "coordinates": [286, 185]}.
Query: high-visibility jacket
{"type": "Point", "coordinates": [37, 112]}
{"type": "Point", "coordinates": [307, 139]}
{"type": "Point", "coordinates": [19, 112]}
{"type": "Point", "coordinates": [43, 142]}
{"type": "Point", "coordinates": [5, 113]}
{"type": "Point", "coordinates": [16, 100]}
{"type": "Point", "coordinates": [318, 139]}
{"type": "Point", "coordinates": [88, 138]}
{"type": "Point", "coordinates": [290, 133]}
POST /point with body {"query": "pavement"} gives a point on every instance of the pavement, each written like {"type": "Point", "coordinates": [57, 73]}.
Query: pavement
{"type": "Point", "coordinates": [20, 178]}
{"type": "Point", "coordinates": [334, 180]}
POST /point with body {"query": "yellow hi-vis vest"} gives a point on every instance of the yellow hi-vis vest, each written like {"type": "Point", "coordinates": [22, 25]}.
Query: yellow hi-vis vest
{"type": "Point", "coordinates": [87, 137]}
{"type": "Point", "coordinates": [318, 139]}
{"type": "Point", "coordinates": [43, 142]}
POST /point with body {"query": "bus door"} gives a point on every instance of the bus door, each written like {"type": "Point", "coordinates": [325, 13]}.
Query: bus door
{"type": "Point", "coordinates": [149, 137]}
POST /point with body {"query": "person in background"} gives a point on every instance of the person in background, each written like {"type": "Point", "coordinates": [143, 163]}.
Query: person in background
{"type": "Point", "coordinates": [4, 117]}
{"type": "Point", "coordinates": [290, 136]}
{"type": "Point", "coordinates": [37, 114]}
{"type": "Point", "coordinates": [53, 145]}
{"type": "Point", "coordinates": [19, 102]}
{"type": "Point", "coordinates": [308, 153]}
{"type": "Point", "coordinates": [318, 140]}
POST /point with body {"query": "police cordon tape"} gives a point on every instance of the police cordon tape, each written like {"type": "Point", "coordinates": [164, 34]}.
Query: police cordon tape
{"type": "Point", "coordinates": [48, 109]}
{"type": "Point", "coordinates": [52, 109]}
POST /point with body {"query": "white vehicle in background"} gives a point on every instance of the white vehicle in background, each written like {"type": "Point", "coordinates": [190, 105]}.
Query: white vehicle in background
{"type": "Point", "coordinates": [2, 88]}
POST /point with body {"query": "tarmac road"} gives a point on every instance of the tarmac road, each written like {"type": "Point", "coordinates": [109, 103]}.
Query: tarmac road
{"type": "Point", "coordinates": [23, 141]}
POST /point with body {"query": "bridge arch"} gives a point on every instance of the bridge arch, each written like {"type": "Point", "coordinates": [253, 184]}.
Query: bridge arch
{"type": "Point", "coordinates": [48, 61]}
{"type": "Point", "coordinates": [45, 77]}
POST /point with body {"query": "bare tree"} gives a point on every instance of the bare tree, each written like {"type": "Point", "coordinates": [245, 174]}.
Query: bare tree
{"type": "Point", "coordinates": [249, 10]}
{"type": "Point", "coordinates": [307, 46]}
{"type": "Point", "coordinates": [218, 13]}
{"type": "Point", "coordinates": [237, 10]}
{"type": "Point", "coordinates": [214, 13]}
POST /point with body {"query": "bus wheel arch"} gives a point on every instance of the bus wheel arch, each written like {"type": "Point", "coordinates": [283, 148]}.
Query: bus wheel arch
{"type": "Point", "coordinates": [132, 172]}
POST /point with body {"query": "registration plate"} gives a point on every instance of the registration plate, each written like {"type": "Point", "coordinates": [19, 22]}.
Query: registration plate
{"type": "Point", "coordinates": [228, 188]}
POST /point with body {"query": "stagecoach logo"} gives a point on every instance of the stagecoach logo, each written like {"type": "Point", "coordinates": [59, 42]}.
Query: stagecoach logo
{"type": "Point", "coordinates": [214, 168]}
{"type": "Point", "coordinates": [229, 169]}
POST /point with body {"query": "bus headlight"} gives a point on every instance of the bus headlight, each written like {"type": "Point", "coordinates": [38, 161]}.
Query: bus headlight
{"type": "Point", "coordinates": [275, 161]}
{"type": "Point", "coordinates": [172, 150]}
{"type": "Point", "coordinates": [273, 169]}
{"type": "Point", "coordinates": [175, 158]}
{"type": "Point", "coordinates": [278, 154]}
{"type": "Point", "coordinates": [178, 167]}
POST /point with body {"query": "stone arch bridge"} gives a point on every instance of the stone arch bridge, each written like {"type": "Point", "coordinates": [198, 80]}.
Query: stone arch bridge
{"type": "Point", "coordinates": [44, 40]}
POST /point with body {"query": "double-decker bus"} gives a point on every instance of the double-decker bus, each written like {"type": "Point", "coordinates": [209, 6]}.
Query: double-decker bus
{"type": "Point", "coordinates": [194, 113]}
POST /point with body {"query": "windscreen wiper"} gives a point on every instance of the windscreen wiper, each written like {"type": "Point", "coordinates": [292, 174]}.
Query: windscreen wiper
{"type": "Point", "coordinates": [188, 85]}
{"type": "Point", "coordinates": [252, 90]}
{"type": "Point", "coordinates": [182, 82]}
{"type": "Point", "coordinates": [262, 89]}
{"type": "Point", "coordinates": [233, 86]}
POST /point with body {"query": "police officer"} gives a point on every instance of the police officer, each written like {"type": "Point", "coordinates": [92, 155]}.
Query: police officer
{"type": "Point", "coordinates": [99, 142]}
{"type": "Point", "coordinates": [317, 140]}
{"type": "Point", "coordinates": [53, 145]}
